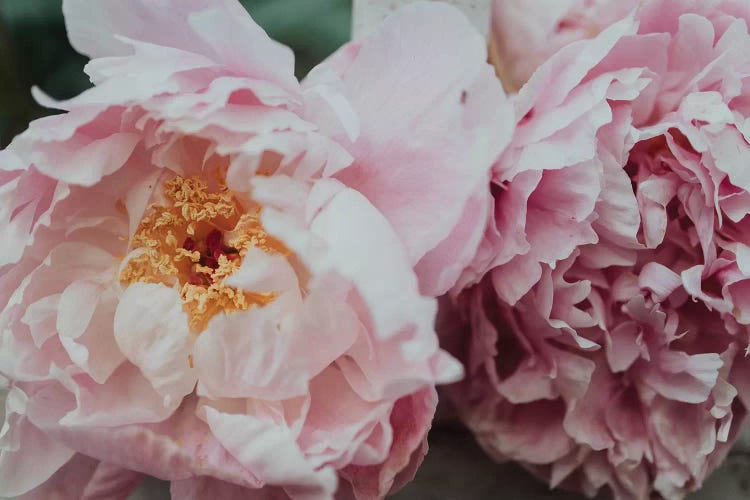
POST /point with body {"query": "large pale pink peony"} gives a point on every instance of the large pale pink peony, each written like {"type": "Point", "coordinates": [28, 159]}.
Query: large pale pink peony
{"type": "Point", "coordinates": [527, 32]}
{"type": "Point", "coordinates": [215, 275]}
{"type": "Point", "coordinates": [609, 300]}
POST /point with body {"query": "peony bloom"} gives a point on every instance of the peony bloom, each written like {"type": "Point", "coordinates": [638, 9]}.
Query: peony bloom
{"type": "Point", "coordinates": [609, 301]}
{"type": "Point", "coordinates": [525, 33]}
{"type": "Point", "coordinates": [215, 275]}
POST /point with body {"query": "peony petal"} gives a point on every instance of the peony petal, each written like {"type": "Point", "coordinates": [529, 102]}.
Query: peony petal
{"type": "Point", "coordinates": [109, 481]}
{"type": "Point", "coordinates": [685, 378]}
{"type": "Point", "coordinates": [271, 453]}
{"type": "Point", "coordinates": [228, 27]}
{"type": "Point", "coordinates": [152, 331]}
{"type": "Point", "coordinates": [624, 346]}
{"type": "Point", "coordinates": [350, 226]}
{"type": "Point", "coordinates": [28, 457]}
{"type": "Point", "coordinates": [326, 321]}
{"type": "Point", "coordinates": [67, 483]}
{"type": "Point", "coordinates": [246, 354]}
{"type": "Point", "coordinates": [84, 322]}
{"type": "Point", "coordinates": [62, 161]}
{"type": "Point", "coordinates": [180, 447]}
{"type": "Point", "coordinates": [411, 418]}
{"type": "Point", "coordinates": [659, 279]}
{"type": "Point", "coordinates": [416, 175]}
{"type": "Point", "coordinates": [212, 28]}
{"type": "Point", "coordinates": [730, 150]}
{"type": "Point", "coordinates": [41, 318]}
{"type": "Point", "coordinates": [86, 479]}
{"type": "Point", "coordinates": [440, 268]}
{"type": "Point", "coordinates": [585, 420]}
{"type": "Point", "coordinates": [202, 487]}
{"type": "Point", "coordinates": [334, 428]}
{"type": "Point", "coordinates": [263, 272]}
{"type": "Point", "coordinates": [126, 397]}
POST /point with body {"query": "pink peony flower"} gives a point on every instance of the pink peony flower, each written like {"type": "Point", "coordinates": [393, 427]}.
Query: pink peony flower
{"type": "Point", "coordinates": [609, 300]}
{"type": "Point", "coordinates": [525, 33]}
{"type": "Point", "coordinates": [215, 275]}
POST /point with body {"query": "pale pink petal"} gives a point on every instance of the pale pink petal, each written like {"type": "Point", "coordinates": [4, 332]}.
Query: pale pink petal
{"type": "Point", "coordinates": [202, 487]}
{"type": "Point", "coordinates": [652, 206]}
{"type": "Point", "coordinates": [455, 92]}
{"type": "Point", "coordinates": [271, 453]}
{"type": "Point", "coordinates": [533, 432]}
{"type": "Point", "coordinates": [86, 312]}
{"type": "Point", "coordinates": [28, 457]}
{"type": "Point", "coordinates": [109, 481]}
{"type": "Point", "coordinates": [378, 369]}
{"type": "Point", "coordinates": [326, 321]}
{"type": "Point", "coordinates": [62, 161]}
{"type": "Point", "coordinates": [686, 431]}
{"type": "Point", "coordinates": [439, 269]}
{"type": "Point", "coordinates": [585, 420]}
{"type": "Point", "coordinates": [410, 418]}
{"type": "Point", "coordinates": [246, 354]}
{"type": "Point", "coordinates": [212, 28]}
{"type": "Point", "coordinates": [513, 280]}
{"type": "Point", "coordinates": [526, 32]}
{"type": "Point", "coordinates": [152, 331]}
{"type": "Point", "coordinates": [270, 273]}
{"type": "Point", "coordinates": [730, 150]}
{"type": "Point", "coordinates": [41, 318]}
{"type": "Point", "coordinates": [625, 422]}
{"type": "Point", "coordinates": [177, 448]}
{"type": "Point", "coordinates": [681, 377]}
{"type": "Point", "coordinates": [24, 197]}
{"type": "Point", "coordinates": [126, 397]}
{"type": "Point", "coordinates": [659, 279]}
{"type": "Point", "coordinates": [350, 225]}
{"type": "Point", "coordinates": [83, 478]}
{"type": "Point", "coordinates": [624, 346]}
{"type": "Point", "coordinates": [67, 483]}
{"type": "Point", "coordinates": [333, 430]}
{"type": "Point", "coordinates": [228, 27]}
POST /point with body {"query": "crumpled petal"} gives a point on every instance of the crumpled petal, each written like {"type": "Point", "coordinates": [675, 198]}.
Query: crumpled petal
{"type": "Point", "coordinates": [152, 330]}
{"type": "Point", "coordinates": [28, 457]}
{"type": "Point", "coordinates": [606, 302]}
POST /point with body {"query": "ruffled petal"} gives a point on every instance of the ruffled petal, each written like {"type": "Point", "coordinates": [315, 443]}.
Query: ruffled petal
{"type": "Point", "coordinates": [271, 453]}
{"type": "Point", "coordinates": [456, 93]}
{"type": "Point", "coordinates": [212, 28]}
{"type": "Point", "coordinates": [28, 457]}
{"type": "Point", "coordinates": [152, 331]}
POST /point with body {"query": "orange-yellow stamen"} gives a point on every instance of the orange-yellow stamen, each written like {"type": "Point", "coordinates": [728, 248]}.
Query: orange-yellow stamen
{"type": "Point", "coordinates": [182, 243]}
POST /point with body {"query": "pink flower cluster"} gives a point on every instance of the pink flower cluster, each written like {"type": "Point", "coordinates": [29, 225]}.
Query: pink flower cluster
{"type": "Point", "coordinates": [609, 300]}
{"type": "Point", "coordinates": [217, 275]}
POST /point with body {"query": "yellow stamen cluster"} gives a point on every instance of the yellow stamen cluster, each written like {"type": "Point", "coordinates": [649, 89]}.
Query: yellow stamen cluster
{"type": "Point", "coordinates": [172, 240]}
{"type": "Point", "coordinates": [249, 233]}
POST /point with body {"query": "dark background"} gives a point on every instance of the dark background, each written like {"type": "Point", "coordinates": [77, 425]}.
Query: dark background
{"type": "Point", "coordinates": [34, 49]}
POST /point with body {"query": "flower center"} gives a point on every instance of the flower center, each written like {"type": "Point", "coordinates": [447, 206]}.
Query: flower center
{"type": "Point", "coordinates": [196, 241]}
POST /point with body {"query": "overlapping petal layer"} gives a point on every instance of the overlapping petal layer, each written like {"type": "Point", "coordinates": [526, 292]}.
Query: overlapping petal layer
{"type": "Point", "coordinates": [608, 301]}
{"type": "Point", "coordinates": [221, 277]}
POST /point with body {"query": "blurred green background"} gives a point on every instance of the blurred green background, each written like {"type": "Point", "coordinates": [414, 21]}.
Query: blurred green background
{"type": "Point", "coordinates": [34, 49]}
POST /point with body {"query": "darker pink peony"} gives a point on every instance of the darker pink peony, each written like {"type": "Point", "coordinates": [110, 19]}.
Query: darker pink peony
{"type": "Point", "coordinates": [609, 300]}
{"type": "Point", "coordinates": [215, 275]}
